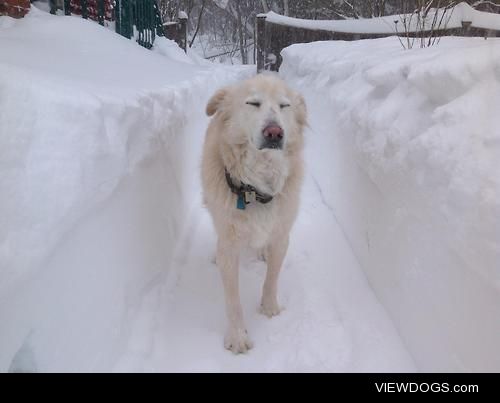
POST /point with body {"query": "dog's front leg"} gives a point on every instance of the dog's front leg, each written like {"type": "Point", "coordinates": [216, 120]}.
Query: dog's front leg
{"type": "Point", "coordinates": [236, 338]}
{"type": "Point", "coordinates": [275, 256]}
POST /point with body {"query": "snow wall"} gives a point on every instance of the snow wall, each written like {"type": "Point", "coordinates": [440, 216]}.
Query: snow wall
{"type": "Point", "coordinates": [414, 179]}
{"type": "Point", "coordinates": [100, 143]}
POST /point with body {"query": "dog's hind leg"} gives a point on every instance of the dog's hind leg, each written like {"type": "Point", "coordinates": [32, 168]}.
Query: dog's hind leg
{"type": "Point", "coordinates": [275, 256]}
{"type": "Point", "coordinates": [236, 338]}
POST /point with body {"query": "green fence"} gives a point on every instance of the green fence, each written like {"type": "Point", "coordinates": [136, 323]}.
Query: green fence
{"type": "Point", "coordinates": [143, 15]}
{"type": "Point", "coordinates": [138, 19]}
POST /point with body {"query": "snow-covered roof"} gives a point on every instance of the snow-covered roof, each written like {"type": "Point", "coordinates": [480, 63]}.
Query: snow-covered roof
{"type": "Point", "coordinates": [388, 25]}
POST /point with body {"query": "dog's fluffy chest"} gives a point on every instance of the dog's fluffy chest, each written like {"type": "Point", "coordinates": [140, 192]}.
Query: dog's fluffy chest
{"type": "Point", "coordinates": [265, 170]}
{"type": "Point", "coordinates": [258, 222]}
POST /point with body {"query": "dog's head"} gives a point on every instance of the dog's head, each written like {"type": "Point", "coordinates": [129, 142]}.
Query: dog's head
{"type": "Point", "coordinates": [262, 112]}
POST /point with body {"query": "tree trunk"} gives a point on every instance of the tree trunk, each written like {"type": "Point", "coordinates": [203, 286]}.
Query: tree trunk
{"type": "Point", "coordinates": [198, 24]}
{"type": "Point", "coordinates": [265, 7]}
{"type": "Point", "coordinates": [241, 33]}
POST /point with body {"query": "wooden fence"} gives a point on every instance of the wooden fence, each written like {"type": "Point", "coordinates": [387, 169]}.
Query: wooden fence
{"type": "Point", "coordinates": [273, 37]}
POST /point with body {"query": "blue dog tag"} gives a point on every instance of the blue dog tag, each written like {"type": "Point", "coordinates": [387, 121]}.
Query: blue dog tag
{"type": "Point", "coordinates": [240, 204]}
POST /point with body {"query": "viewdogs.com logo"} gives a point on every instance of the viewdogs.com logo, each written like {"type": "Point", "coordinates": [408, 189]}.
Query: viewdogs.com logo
{"type": "Point", "coordinates": [413, 387]}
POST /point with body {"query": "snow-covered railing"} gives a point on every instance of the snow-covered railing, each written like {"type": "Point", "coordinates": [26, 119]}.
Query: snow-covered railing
{"type": "Point", "coordinates": [275, 32]}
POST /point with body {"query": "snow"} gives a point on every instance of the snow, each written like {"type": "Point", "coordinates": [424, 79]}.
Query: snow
{"type": "Point", "coordinates": [105, 250]}
{"type": "Point", "coordinates": [331, 323]}
{"type": "Point", "coordinates": [42, 5]}
{"type": "Point", "coordinates": [387, 25]}
{"type": "Point", "coordinates": [414, 180]}
{"type": "Point", "coordinates": [87, 120]}
{"type": "Point", "coordinates": [81, 109]}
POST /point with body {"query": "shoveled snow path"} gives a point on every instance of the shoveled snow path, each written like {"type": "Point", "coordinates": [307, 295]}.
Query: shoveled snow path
{"type": "Point", "coordinates": [332, 320]}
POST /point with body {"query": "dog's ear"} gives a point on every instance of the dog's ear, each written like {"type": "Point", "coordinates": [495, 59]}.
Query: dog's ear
{"type": "Point", "coordinates": [214, 102]}
{"type": "Point", "coordinates": [301, 109]}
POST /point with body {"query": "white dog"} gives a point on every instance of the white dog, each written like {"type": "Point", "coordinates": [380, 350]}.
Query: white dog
{"type": "Point", "coordinates": [252, 173]}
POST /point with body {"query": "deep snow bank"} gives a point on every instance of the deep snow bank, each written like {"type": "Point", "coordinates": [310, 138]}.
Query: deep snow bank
{"type": "Point", "coordinates": [99, 141]}
{"type": "Point", "coordinates": [415, 147]}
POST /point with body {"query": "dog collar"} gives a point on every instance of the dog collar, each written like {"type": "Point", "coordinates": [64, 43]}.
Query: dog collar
{"type": "Point", "coordinates": [246, 193]}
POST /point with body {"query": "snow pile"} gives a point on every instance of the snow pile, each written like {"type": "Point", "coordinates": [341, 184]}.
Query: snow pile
{"type": "Point", "coordinates": [451, 19]}
{"type": "Point", "coordinates": [171, 50]}
{"type": "Point", "coordinates": [414, 145]}
{"type": "Point", "coordinates": [104, 265]}
{"type": "Point", "coordinates": [90, 122]}
{"type": "Point", "coordinates": [72, 124]}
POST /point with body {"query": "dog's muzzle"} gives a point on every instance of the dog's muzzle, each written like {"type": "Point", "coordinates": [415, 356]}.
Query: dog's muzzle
{"type": "Point", "coordinates": [272, 137]}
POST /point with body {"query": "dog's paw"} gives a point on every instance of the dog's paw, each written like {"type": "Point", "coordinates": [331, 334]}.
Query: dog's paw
{"type": "Point", "coordinates": [270, 309]}
{"type": "Point", "coordinates": [237, 341]}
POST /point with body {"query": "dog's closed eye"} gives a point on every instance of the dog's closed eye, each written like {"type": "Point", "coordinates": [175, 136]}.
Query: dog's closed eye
{"type": "Point", "coordinates": [283, 106]}
{"type": "Point", "coordinates": [254, 103]}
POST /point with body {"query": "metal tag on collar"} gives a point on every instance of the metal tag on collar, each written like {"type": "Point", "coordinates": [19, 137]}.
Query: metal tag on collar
{"type": "Point", "coordinates": [250, 197]}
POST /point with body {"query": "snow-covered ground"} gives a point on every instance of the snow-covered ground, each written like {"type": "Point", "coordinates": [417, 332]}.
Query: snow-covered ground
{"type": "Point", "coordinates": [105, 260]}
{"type": "Point", "coordinates": [332, 321]}
{"type": "Point", "coordinates": [82, 112]}
{"type": "Point", "coordinates": [106, 252]}
{"type": "Point", "coordinates": [411, 169]}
